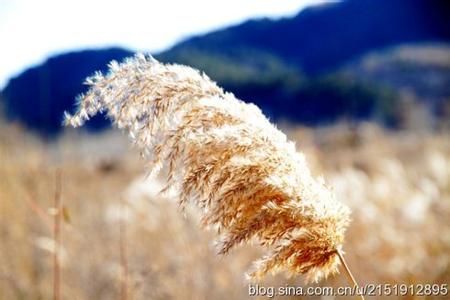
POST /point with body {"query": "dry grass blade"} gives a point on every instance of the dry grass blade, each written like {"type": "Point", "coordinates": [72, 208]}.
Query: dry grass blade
{"type": "Point", "coordinates": [225, 156]}
{"type": "Point", "coordinates": [57, 238]}
{"type": "Point", "coordinates": [123, 256]}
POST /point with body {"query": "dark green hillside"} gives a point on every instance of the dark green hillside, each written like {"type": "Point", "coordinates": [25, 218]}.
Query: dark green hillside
{"type": "Point", "coordinates": [311, 68]}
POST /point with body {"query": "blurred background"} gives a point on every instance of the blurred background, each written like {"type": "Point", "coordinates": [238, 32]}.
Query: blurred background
{"type": "Point", "coordinates": [362, 86]}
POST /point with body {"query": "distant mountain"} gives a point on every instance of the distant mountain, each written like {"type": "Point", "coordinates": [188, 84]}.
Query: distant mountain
{"type": "Point", "coordinates": [321, 38]}
{"type": "Point", "coordinates": [419, 73]}
{"type": "Point", "coordinates": [291, 67]}
{"type": "Point", "coordinates": [421, 70]}
{"type": "Point", "coordinates": [39, 96]}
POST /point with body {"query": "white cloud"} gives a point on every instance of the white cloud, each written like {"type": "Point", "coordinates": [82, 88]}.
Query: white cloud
{"type": "Point", "coordinates": [32, 30]}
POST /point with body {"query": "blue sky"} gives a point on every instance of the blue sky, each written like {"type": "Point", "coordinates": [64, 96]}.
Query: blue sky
{"type": "Point", "coordinates": [32, 30]}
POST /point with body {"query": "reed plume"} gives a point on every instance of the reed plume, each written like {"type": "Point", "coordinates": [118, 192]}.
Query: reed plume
{"type": "Point", "coordinates": [224, 155]}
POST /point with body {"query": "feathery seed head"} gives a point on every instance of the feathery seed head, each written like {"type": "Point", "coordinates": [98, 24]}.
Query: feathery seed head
{"type": "Point", "coordinates": [227, 158]}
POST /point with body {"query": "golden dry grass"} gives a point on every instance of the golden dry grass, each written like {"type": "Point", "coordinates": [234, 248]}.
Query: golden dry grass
{"type": "Point", "coordinates": [397, 184]}
{"type": "Point", "coordinates": [222, 154]}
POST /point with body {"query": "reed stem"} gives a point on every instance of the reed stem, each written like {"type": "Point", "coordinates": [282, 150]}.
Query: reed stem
{"type": "Point", "coordinates": [123, 255]}
{"type": "Point", "coordinates": [57, 238]}
{"type": "Point", "coordinates": [348, 273]}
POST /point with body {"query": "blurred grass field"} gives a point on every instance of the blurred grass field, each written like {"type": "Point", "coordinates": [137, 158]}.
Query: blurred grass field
{"type": "Point", "coordinates": [120, 239]}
